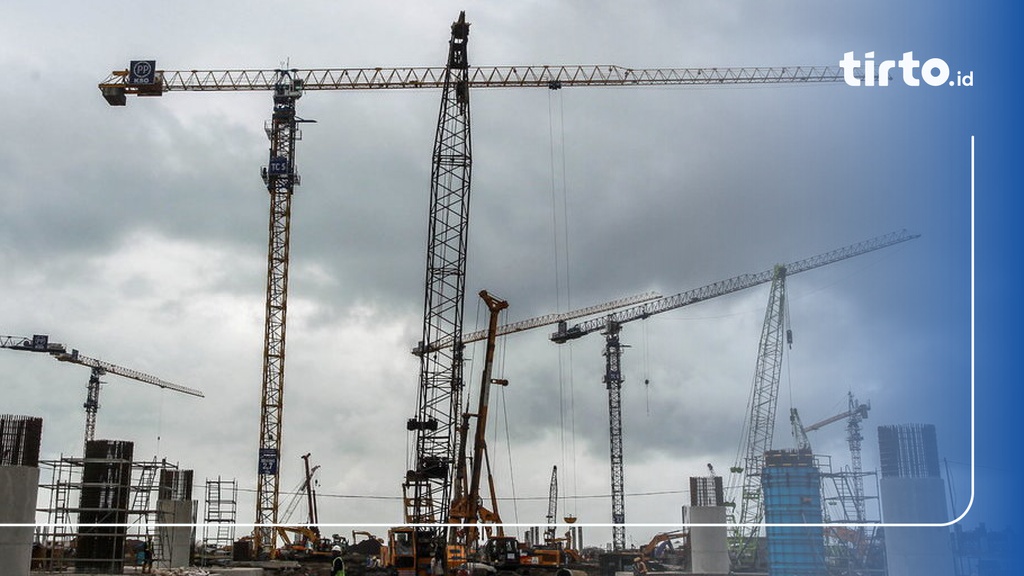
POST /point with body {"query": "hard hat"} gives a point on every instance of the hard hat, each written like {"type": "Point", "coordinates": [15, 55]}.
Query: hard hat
{"type": "Point", "coordinates": [637, 559]}
{"type": "Point", "coordinates": [336, 549]}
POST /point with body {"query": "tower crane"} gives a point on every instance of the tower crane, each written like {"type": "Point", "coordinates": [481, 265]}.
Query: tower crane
{"type": "Point", "coordinates": [427, 484]}
{"type": "Point", "coordinates": [855, 413]}
{"type": "Point", "coordinates": [611, 325]}
{"type": "Point", "coordinates": [41, 343]}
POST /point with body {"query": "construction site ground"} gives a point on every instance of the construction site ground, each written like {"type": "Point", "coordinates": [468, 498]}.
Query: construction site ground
{"type": "Point", "coordinates": [271, 569]}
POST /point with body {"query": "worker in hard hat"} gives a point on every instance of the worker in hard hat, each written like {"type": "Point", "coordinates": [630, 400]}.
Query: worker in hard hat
{"type": "Point", "coordinates": [337, 563]}
{"type": "Point", "coordinates": [639, 566]}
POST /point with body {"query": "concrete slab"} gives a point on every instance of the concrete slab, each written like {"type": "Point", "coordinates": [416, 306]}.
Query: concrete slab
{"type": "Point", "coordinates": [236, 571]}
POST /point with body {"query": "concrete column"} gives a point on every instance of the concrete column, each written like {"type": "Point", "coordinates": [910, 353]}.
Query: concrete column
{"type": "Point", "coordinates": [924, 551]}
{"type": "Point", "coordinates": [19, 487]}
{"type": "Point", "coordinates": [176, 540]}
{"type": "Point", "coordinates": [709, 545]}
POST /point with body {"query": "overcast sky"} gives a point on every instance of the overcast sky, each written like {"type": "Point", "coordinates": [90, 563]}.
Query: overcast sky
{"type": "Point", "coordinates": [138, 235]}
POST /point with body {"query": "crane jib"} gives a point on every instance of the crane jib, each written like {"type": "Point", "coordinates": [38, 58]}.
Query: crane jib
{"type": "Point", "coordinates": [723, 287]}
{"type": "Point", "coordinates": [142, 79]}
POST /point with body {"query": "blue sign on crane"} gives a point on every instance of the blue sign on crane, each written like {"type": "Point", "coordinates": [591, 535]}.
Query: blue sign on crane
{"type": "Point", "coordinates": [268, 461]}
{"type": "Point", "coordinates": [142, 72]}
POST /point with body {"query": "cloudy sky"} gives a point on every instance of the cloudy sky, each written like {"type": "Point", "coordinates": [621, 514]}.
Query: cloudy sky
{"type": "Point", "coordinates": [138, 236]}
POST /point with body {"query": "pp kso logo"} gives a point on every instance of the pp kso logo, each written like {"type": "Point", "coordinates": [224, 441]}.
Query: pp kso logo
{"type": "Point", "coordinates": [934, 71]}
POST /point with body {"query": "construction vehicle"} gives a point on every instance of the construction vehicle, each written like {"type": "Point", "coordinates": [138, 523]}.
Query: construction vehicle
{"type": "Point", "coordinates": [427, 485]}
{"type": "Point", "coordinates": [305, 543]}
{"type": "Point", "coordinates": [410, 551]}
{"type": "Point", "coordinates": [611, 325]}
{"type": "Point", "coordinates": [41, 343]}
{"type": "Point", "coordinates": [551, 555]}
{"type": "Point", "coordinates": [298, 541]}
{"type": "Point", "coordinates": [499, 551]}
{"type": "Point", "coordinates": [671, 548]}
{"type": "Point", "coordinates": [553, 552]}
{"type": "Point", "coordinates": [297, 493]}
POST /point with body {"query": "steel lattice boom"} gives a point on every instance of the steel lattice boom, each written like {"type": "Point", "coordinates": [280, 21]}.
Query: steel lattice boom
{"type": "Point", "coordinates": [760, 426]}
{"type": "Point", "coordinates": [118, 84]}
{"type": "Point", "coordinates": [547, 320]}
{"type": "Point", "coordinates": [723, 287]}
{"type": "Point", "coordinates": [427, 486]}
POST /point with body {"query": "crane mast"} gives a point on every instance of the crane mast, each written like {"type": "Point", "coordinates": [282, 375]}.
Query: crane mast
{"type": "Point", "coordinates": [856, 413]}
{"type": "Point", "coordinates": [427, 483]}
{"type": "Point", "coordinates": [613, 383]}
{"type": "Point", "coordinates": [761, 418]}
{"type": "Point", "coordinates": [612, 325]}
{"type": "Point", "coordinates": [280, 178]}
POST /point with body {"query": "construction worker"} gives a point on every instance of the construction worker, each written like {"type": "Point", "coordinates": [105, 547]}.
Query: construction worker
{"type": "Point", "coordinates": [147, 558]}
{"type": "Point", "coordinates": [639, 567]}
{"type": "Point", "coordinates": [337, 563]}
{"type": "Point", "coordinates": [140, 554]}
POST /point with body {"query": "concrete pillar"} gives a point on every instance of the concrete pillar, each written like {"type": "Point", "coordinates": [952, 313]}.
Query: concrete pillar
{"type": "Point", "coordinates": [176, 541]}
{"type": "Point", "coordinates": [913, 492]}
{"type": "Point", "coordinates": [709, 545]}
{"type": "Point", "coordinates": [20, 439]}
{"type": "Point", "coordinates": [19, 487]}
{"type": "Point", "coordinates": [924, 551]}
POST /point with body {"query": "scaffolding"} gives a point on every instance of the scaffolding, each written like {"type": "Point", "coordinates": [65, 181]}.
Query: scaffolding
{"type": "Point", "coordinates": [221, 514]}
{"type": "Point", "coordinates": [850, 550]}
{"type": "Point", "coordinates": [100, 508]}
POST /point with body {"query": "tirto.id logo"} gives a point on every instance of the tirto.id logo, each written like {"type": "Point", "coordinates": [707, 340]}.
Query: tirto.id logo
{"type": "Point", "coordinates": [934, 71]}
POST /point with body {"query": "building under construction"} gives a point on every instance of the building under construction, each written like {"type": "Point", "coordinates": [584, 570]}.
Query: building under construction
{"type": "Point", "coordinates": [105, 506]}
{"type": "Point", "coordinates": [792, 493]}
